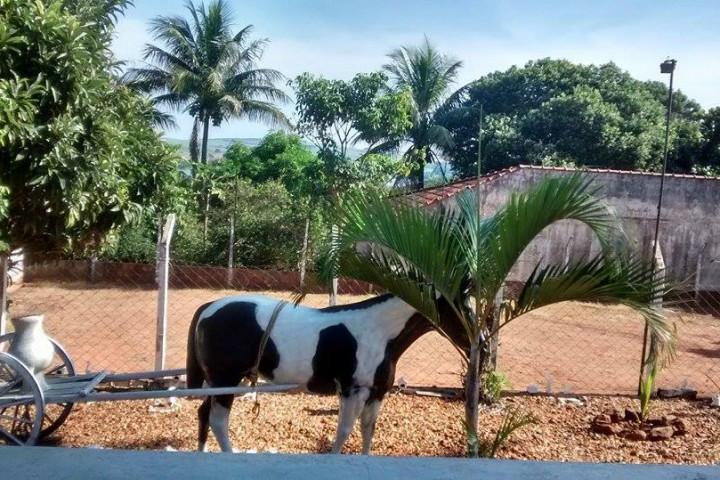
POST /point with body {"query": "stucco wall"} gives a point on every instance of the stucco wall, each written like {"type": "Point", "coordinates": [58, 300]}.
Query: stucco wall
{"type": "Point", "coordinates": [689, 228]}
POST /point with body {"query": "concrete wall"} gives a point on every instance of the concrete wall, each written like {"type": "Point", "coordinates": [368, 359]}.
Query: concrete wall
{"type": "Point", "coordinates": [689, 229]}
{"type": "Point", "coordinates": [29, 463]}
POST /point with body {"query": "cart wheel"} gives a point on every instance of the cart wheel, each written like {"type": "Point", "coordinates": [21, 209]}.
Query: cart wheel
{"type": "Point", "coordinates": [55, 413]}
{"type": "Point", "coordinates": [22, 406]}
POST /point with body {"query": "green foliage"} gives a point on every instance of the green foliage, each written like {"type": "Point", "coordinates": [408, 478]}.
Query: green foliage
{"type": "Point", "coordinates": [78, 151]}
{"type": "Point", "coordinates": [494, 383]}
{"type": "Point", "coordinates": [206, 70]}
{"type": "Point", "coordinates": [279, 156]}
{"type": "Point", "coordinates": [512, 421]}
{"type": "Point", "coordinates": [335, 114]}
{"type": "Point", "coordinates": [427, 75]}
{"type": "Point", "coordinates": [463, 260]}
{"type": "Point", "coordinates": [647, 385]}
{"type": "Point", "coordinates": [554, 112]}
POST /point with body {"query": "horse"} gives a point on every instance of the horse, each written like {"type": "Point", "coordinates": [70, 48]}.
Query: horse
{"type": "Point", "coordinates": [348, 349]}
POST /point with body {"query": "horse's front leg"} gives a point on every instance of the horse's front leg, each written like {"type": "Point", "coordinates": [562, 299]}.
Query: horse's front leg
{"type": "Point", "coordinates": [351, 406]}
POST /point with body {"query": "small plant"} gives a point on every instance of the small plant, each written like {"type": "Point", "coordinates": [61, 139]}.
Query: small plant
{"type": "Point", "coordinates": [646, 388]}
{"type": "Point", "coordinates": [488, 448]}
{"type": "Point", "coordinates": [494, 383]}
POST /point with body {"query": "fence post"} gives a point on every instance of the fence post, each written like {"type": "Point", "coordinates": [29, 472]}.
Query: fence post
{"type": "Point", "coordinates": [231, 253]}
{"type": "Point", "coordinates": [334, 284]}
{"type": "Point", "coordinates": [698, 271]}
{"type": "Point", "coordinates": [163, 271]}
{"type": "Point", "coordinates": [3, 293]}
{"type": "Point", "coordinates": [303, 253]}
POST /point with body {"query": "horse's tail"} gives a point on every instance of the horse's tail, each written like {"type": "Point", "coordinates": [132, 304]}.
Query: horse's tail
{"type": "Point", "coordinates": [194, 372]}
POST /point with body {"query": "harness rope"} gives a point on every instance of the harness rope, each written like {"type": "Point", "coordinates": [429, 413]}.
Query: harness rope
{"type": "Point", "coordinates": [253, 374]}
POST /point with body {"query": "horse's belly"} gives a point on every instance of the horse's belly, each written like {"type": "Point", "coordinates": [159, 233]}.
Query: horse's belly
{"type": "Point", "coordinates": [292, 372]}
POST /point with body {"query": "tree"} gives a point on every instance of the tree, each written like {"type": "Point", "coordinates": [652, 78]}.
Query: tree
{"type": "Point", "coordinates": [79, 155]}
{"type": "Point", "coordinates": [427, 75]}
{"type": "Point", "coordinates": [620, 120]}
{"type": "Point", "coordinates": [451, 257]}
{"type": "Point", "coordinates": [209, 72]}
{"type": "Point", "coordinates": [279, 156]}
{"type": "Point", "coordinates": [710, 149]}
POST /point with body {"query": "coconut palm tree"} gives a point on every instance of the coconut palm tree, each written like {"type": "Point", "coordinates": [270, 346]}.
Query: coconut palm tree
{"type": "Point", "coordinates": [208, 71]}
{"type": "Point", "coordinates": [427, 74]}
{"type": "Point", "coordinates": [456, 257]}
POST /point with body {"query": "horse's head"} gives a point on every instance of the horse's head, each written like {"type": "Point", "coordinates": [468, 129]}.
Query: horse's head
{"type": "Point", "coordinates": [452, 326]}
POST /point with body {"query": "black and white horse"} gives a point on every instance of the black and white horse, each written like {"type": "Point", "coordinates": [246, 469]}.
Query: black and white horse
{"type": "Point", "coordinates": [351, 349]}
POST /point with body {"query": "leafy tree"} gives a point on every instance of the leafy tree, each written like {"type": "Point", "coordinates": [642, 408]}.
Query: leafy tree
{"type": "Point", "coordinates": [453, 262]}
{"type": "Point", "coordinates": [710, 131]}
{"type": "Point", "coordinates": [336, 115]}
{"type": "Point", "coordinates": [208, 71]}
{"type": "Point", "coordinates": [615, 120]}
{"type": "Point", "coordinates": [279, 156]}
{"type": "Point", "coordinates": [427, 75]}
{"type": "Point", "coordinates": [79, 155]}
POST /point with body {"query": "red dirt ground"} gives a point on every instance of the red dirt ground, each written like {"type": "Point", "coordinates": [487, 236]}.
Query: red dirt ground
{"type": "Point", "coordinates": [582, 348]}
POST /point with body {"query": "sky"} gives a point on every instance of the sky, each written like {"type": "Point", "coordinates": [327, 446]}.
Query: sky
{"type": "Point", "coordinates": [338, 38]}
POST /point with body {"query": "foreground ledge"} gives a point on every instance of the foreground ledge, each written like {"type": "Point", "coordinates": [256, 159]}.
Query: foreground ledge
{"type": "Point", "coordinates": [65, 463]}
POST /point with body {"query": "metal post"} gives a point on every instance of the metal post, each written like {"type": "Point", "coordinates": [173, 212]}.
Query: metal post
{"type": "Point", "coordinates": [668, 66]}
{"type": "Point", "coordinates": [163, 271]}
{"type": "Point", "coordinates": [4, 264]}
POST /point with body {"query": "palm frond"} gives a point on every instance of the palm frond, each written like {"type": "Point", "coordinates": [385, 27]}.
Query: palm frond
{"type": "Point", "coordinates": [505, 236]}
{"type": "Point", "coordinates": [406, 241]}
{"type": "Point", "coordinates": [620, 279]}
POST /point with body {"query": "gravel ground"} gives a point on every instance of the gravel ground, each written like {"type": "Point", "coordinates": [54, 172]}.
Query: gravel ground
{"type": "Point", "coordinates": [408, 425]}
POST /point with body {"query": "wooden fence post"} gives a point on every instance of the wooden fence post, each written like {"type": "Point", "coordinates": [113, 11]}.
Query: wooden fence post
{"type": "Point", "coordinates": [698, 274]}
{"type": "Point", "coordinates": [231, 254]}
{"type": "Point", "coordinates": [334, 284]}
{"type": "Point", "coordinates": [4, 270]}
{"type": "Point", "coordinates": [163, 271]}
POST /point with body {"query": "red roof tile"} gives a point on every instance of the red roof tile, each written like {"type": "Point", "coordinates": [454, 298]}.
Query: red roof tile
{"type": "Point", "coordinates": [431, 195]}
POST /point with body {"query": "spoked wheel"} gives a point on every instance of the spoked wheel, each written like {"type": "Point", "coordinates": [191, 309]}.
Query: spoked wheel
{"type": "Point", "coordinates": [22, 406]}
{"type": "Point", "coordinates": [55, 414]}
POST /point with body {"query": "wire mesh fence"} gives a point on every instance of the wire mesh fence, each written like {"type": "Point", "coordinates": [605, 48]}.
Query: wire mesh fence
{"type": "Point", "coordinates": [105, 315]}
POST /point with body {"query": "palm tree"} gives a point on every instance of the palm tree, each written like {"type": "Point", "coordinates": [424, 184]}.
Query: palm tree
{"type": "Point", "coordinates": [209, 72]}
{"type": "Point", "coordinates": [428, 75]}
{"type": "Point", "coordinates": [454, 257]}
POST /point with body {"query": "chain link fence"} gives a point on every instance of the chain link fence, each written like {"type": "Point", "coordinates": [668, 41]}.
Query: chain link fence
{"type": "Point", "coordinates": [106, 315]}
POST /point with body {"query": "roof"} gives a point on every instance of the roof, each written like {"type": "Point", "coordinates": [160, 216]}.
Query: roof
{"type": "Point", "coordinates": [431, 195]}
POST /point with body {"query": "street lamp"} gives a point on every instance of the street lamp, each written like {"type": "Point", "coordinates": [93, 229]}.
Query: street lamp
{"type": "Point", "coordinates": [668, 66]}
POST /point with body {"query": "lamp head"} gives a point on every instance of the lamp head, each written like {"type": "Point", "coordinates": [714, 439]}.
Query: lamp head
{"type": "Point", "coordinates": [668, 66]}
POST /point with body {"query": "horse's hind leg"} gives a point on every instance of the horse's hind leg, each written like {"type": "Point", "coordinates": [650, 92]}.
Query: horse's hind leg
{"type": "Point", "coordinates": [350, 408]}
{"type": "Point", "coordinates": [367, 423]}
{"type": "Point", "coordinates": [220, 420]}
{"type": "Point", "coordinates": [203, 424]}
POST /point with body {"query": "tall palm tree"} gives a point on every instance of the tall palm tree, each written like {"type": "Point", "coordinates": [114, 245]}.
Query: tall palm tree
{"type": "Point", "coordinates": [455, 257]}
{"type": "Point", "coordinates": [209, 72]}
{"type": "Point", "coordinates": [427, 74]}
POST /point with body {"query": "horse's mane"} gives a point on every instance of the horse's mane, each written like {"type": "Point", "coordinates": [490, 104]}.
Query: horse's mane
{"type": "Point", "coordinates": [361, 305]}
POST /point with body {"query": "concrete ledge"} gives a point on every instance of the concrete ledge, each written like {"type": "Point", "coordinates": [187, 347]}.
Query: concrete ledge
{"type": "Point", "coordinates": [60, 463]}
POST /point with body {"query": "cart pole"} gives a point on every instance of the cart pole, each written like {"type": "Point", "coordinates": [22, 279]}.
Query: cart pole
{"type": "Point", "coordinates": [163, 271]}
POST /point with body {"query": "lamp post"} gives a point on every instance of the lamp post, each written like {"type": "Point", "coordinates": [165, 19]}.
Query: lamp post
{"type": "Point", "coordinates": [668, 66]}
